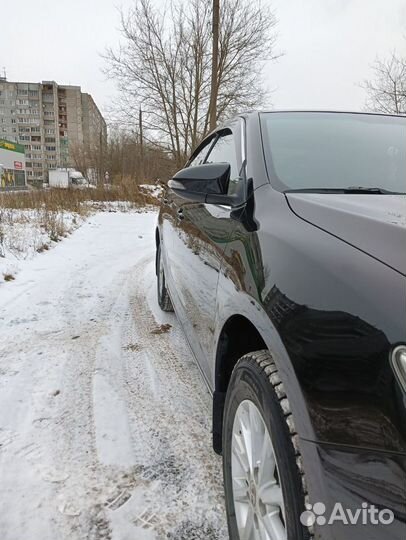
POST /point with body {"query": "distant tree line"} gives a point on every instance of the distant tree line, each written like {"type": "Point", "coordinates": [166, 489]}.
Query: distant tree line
{"type": "Point", "coordinates": [127, 160]}
{"type": "Point", "coordinates": [124, 158]}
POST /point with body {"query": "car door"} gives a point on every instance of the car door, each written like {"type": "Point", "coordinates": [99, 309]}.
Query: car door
{"type": "Point", "coordinates": [169, 225]}
{"type": "Point", "coordinates": [202, 233]}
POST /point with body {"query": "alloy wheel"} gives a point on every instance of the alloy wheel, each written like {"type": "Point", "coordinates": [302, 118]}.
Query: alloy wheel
{"type": "Point", "coordinates": [257, 490]}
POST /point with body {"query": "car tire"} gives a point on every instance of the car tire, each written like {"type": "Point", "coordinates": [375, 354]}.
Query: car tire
{"type": "Point", "coordinates": [257, 410]}
{"type": "Point", "coordinates": [164, 300]}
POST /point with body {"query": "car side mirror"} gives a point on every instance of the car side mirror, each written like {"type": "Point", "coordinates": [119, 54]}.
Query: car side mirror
{"type": "Point", "coordinates": [206, 183]}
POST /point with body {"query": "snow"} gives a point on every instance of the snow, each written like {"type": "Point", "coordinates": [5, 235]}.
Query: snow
{"type": "Point", "coordinates": [104, 422]}
{"type": "Point", "coordinates": [152, 189]}
{"type": "Point", "coordinates": [25, 233]}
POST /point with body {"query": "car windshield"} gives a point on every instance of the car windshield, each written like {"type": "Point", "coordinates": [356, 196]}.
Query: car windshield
{"type": "Point", "coordinates": [335, 151]}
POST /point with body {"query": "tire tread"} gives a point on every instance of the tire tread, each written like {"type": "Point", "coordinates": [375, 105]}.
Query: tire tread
{"type": "Point", "coordinates": [265, 362]}
{"type": "Point", "coordinates": [166, 302]}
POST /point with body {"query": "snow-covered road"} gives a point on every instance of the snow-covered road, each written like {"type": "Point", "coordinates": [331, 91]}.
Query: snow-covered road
{"type": "Point", "coordinates": [104, 418]}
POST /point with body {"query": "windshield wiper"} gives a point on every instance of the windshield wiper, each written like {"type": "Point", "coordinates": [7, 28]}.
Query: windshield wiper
{"type": "Point", "coordinates": [372, 190]}
{"type": "Point", "coordinates": [349, 190]}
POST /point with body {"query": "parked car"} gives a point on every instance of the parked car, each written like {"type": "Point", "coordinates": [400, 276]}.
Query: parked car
{"type": "Point", "coordinates": [281, 247]}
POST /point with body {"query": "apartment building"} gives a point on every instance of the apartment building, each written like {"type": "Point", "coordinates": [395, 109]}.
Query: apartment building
{"type": "Point", "coordinates": [51, 121]}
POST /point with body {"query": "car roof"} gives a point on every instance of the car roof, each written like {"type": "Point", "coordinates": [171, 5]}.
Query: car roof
{"type": "Point", "coordinates": [256, 112]}
{"type": "Point", "coordinates": [326, 111]}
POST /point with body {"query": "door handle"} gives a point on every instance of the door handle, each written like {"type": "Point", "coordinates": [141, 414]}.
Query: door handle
{"type": "Point", "coordinates": [180, 213]}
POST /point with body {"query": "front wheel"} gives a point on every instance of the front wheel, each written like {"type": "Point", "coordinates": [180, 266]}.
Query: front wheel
{"type": "Point", "coordinates": [264, 486]}
{"type": "Point", "coordinates": [164, 300]}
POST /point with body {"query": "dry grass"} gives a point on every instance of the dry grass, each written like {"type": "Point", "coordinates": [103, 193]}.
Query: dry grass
{"type": "Point", "coordinates": [74, 200]}
{"type": "Point", "coordinates": [25, 231]}
{"type": "Point", "coordinates": [31, 221]}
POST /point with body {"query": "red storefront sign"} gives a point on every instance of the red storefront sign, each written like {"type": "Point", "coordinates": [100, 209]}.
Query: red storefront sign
{"type": "Point", "coordinates": [18, 166]}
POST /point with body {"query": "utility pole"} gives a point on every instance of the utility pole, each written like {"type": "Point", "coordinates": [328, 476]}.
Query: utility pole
{"type": "Point", "coordinates": [214, 65]}
{"type": "Point", "coordinates": [141, 147]}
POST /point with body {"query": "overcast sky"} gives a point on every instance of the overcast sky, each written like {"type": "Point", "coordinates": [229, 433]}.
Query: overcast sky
{"type": "Point", "coordinates": [328, 45]}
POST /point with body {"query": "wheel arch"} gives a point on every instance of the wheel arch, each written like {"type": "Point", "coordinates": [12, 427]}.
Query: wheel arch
{"type": "Point", "coordinates": [237, 337]}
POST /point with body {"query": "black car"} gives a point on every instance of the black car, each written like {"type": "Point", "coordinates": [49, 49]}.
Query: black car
{"type": "Point", "coordinates": [282, 248]}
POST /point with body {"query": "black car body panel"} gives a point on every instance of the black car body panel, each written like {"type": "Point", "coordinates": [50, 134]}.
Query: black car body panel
{"type": "Point", "coordinates": [322, 279]}
{"type": "Point", "coordinates": [315, 308]}
{"type": "Point", "coordinates": [373, 225]}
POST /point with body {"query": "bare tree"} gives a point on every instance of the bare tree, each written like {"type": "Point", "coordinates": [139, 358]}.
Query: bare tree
{"type": "Point", "coordinates": [214, 64]}
{"type": "Point", "coordinates": [89, 159]}
{"type": "Point", "coordinates": [387, 91]}
{"type": "Point", "coordinates": [164, 64]}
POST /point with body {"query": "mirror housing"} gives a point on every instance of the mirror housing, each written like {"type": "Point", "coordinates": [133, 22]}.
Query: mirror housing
{"type": "Point", "coordinates": [206, 183]}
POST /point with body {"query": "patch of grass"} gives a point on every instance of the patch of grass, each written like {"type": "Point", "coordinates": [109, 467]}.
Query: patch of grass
{"type": "Point", "coordinates": [9, 277]}
{"type": "Point", "coordinates": [75, 200]}
{"type": "Point", "coordinates": [30, 221]}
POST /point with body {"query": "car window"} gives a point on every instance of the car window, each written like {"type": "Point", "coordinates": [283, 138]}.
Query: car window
{"type": "Point", "coordinates": [199, 158]}
{"type": "Point", "coordinates": [224, 152]}
{"type": "Point", "coordinates": [335, 150]}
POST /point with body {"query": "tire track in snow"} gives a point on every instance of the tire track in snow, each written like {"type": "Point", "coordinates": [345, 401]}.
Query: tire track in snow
{"type": "Point", "coordinates": [178, 478]}
{"type": "Point", "coordinates": [108, 435]}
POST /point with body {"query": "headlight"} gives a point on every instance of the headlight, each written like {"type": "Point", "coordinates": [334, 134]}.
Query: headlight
{"type": "Point", "coordinates": [399, 364]}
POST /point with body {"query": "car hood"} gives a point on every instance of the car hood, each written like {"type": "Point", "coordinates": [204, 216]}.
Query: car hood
{"type": "Point", "coordinates": [375, 224]}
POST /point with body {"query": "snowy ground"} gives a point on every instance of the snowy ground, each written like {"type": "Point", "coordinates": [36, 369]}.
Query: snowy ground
{"type": "Point", "coordinates": [25, 233]}
{"type": "Point", "coordinates": [104, 419]}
